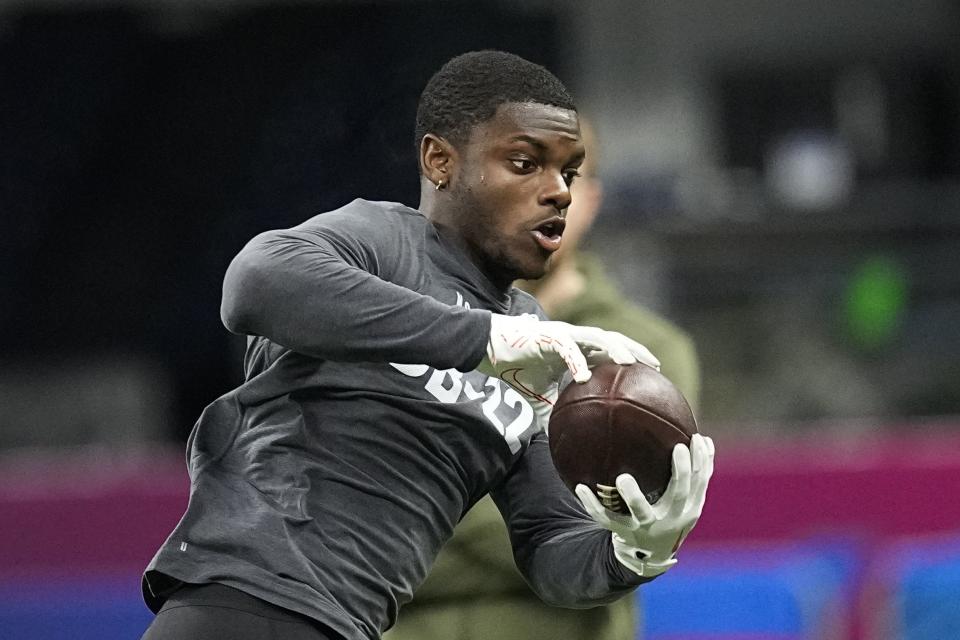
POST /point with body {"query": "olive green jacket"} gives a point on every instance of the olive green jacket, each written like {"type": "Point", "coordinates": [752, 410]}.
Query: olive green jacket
{"type": "Point", "coordinates": [474, 591]}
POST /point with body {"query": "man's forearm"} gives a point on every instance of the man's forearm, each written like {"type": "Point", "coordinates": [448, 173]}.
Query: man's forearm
{"type": "Point", "coordinates": [566, 558]}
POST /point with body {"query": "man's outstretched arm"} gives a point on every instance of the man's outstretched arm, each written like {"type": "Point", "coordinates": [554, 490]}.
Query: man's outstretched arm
{"type": "Point", "coordinates": [315, 290]}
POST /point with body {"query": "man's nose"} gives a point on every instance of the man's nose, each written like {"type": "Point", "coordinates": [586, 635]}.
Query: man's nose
{"type": "Point", "coordinates": [556, 193]}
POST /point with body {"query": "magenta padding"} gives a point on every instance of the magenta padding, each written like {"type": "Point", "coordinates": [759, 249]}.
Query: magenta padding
{"type": "Point", "coordinates": [869, 487]}
{"type": "Point", "coordinates": [108, 511]}
{"type": "Point", "coordinates": [90, 512]}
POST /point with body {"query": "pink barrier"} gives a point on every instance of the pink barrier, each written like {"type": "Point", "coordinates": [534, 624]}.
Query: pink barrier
{"type": "Point", "coordinates": [869, 487]}
{"type": "Point", "coordinates": [100, 511]}
{"type": "Point", "coordinates": [110, 509]}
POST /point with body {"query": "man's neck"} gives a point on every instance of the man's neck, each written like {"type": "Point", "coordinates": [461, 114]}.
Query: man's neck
{"type": "Point", "coordinates": [562, 284]}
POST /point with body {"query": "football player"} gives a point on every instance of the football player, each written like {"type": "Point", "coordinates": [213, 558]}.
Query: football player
{"type": "Point", "coordinates": [394, 376]}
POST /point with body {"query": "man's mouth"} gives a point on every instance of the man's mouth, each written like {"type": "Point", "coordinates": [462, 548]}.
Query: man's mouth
{"type": "Point", "coordinates": [549, 232]}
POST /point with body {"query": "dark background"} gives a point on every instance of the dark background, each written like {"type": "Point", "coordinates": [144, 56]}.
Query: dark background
{"type": "Point", "coordinates": [136, 163]}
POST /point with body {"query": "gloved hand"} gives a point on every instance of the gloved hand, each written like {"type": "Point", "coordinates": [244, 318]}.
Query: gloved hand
{"type": "Point", "coordinates": [646, 541]}
{"type": "Point", "coordinates": [531, 355]}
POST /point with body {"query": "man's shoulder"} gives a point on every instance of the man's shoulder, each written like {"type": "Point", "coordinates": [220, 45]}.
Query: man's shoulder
{"type": "Point", "coordinates": [367, 223]}
{"type": "Point", "coordinates": [366, 211]}
{"type": "Point", "coordinates": [522, 302]}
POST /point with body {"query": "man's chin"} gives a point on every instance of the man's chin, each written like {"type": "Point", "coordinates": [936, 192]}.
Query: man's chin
{"type": "Point", "coordinates": [535, 272]}
{"type": "Point", "coordinates": [524, 270]}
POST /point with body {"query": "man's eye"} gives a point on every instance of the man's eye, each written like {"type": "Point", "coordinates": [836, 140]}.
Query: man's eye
{"type": "Point", "coordinates": [569, 176]}
{"type": "Point", "coordinates": [524, 164]}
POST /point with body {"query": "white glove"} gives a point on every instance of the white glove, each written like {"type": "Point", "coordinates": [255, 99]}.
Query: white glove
{"type": "Point", "coordinates": [646, 541]}
{"type": "Point", "coordinates": [532, 355]}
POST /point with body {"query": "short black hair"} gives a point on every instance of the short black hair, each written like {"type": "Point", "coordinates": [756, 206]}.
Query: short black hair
{"type": "Point", "coordinates": [469, 88]}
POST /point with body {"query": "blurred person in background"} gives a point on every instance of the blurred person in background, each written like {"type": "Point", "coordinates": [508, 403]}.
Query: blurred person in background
{"type": "Point", "coordinates": [474, 590]}
{"type": "Point", "coordinates": [380, 341]}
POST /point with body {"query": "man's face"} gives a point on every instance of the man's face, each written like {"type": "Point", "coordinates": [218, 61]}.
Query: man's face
{"type": "Point", "coordinates": [512, 188]}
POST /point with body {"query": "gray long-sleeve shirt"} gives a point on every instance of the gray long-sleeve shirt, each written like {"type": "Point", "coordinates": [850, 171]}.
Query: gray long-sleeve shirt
{"type": "Point", "coordinates": [328, 481]}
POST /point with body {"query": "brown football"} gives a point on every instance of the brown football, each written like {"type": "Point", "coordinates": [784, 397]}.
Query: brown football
{"type": "Point", "coordinates": [625, 419]}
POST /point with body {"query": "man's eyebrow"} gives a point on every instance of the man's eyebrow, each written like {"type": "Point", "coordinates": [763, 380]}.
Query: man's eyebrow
{"type": "Point", "coordinates": [523, 137]}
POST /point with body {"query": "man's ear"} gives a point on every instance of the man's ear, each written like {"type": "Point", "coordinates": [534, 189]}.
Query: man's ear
{"type": "Point", "coordinates": [437, 159]}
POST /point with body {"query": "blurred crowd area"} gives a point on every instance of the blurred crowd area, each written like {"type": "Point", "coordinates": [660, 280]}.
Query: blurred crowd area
{"type": "Point", "coordinates": [781, 180]}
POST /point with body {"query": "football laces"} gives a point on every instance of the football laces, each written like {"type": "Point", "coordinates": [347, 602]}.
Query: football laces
{"type": "Point", "coordinates": [610, 498]}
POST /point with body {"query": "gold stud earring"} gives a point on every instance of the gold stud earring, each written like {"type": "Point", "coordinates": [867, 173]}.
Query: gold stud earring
{"type": "Point", "coordinates": [440, 184]}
